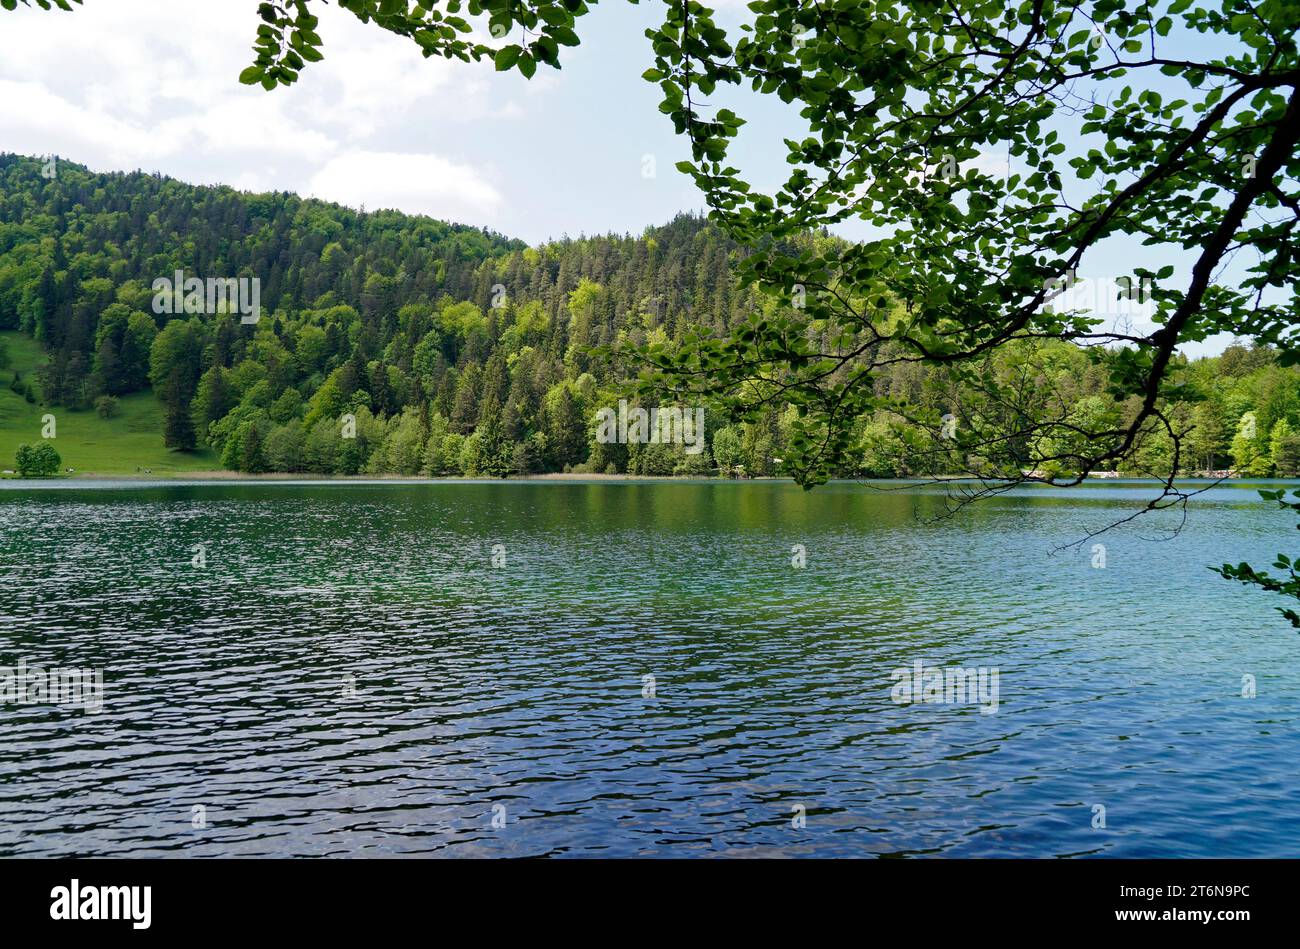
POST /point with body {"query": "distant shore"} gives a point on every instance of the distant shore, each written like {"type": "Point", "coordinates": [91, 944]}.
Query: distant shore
{"type": "Point", "coordinates": [219, 475]}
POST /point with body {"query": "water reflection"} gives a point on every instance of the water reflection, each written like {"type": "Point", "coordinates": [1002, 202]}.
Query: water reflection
{"type": "Point", "coordinates": [349, 674]}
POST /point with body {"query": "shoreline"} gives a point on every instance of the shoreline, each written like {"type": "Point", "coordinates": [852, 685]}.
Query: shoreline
{"type": "Point", "coordinates": [307, 476]}
{"type": "Point", "coordinates": [223, 476]}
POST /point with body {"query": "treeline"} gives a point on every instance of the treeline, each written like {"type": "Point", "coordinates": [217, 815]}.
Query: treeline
{"type": "Point", "coordinates": [390, 343]}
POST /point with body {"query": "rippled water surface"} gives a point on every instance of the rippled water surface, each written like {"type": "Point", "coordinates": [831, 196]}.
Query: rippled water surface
{"type": "Point", "coordinates": [349, 673]}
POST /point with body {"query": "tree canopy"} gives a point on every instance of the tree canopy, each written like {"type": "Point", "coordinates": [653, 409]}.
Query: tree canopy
{"type": "Point", "coordinates": [906, 103]}
{"type": "Point", "coordinates": [37, 461]}
{"type": "Point", "coordinates": [461, 352]}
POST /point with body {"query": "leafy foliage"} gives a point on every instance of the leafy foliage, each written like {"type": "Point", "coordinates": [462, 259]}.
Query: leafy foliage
{"type": "Point", "coordinates": [37, 461]}
{"type": "Point", "coordinates": [1289, 584]}
{"type": "Point", "coordinates": [43, 4]}
{"type": "Point", "coordinates": [892, 94]}
{"type": "Point", "coordinates": [287, 39]}
{"type": "Point", "coordinates": [392, 318]}
{"type": "Point", "coordinates": [427, 332]}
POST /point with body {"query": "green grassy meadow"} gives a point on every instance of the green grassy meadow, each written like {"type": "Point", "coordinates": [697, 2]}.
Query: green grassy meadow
{"type": "Point", "coordinates": [124, 445]}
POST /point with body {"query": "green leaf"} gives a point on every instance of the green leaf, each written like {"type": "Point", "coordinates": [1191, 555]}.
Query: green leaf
{"type": "Point", "coordinates": [507, 57]}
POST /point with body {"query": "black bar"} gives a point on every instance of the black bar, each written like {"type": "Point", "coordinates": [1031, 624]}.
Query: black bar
{"type": "Point", "coordinates": [332, 898]}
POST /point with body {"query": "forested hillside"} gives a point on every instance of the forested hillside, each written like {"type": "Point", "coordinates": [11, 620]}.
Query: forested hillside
{"type": "Point", "coordinates": [460, 351]}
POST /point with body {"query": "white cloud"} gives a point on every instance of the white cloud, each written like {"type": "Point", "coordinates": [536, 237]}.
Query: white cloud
{"type": "Point", "coordinates": [416, 183]}
{"type": "Point", "coordinates": [142, 84]}
{"type": "Point", "coordinates": [37, 121]}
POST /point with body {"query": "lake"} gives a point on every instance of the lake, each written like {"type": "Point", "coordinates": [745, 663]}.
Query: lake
{"type": "Point", "coordinates": [642, 668]}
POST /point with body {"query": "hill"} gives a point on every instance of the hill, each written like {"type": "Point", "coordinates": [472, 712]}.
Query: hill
{"type": "Point", "coordinates": [394, 343]}
{"type": "Point", "coordinates": [130, 443]}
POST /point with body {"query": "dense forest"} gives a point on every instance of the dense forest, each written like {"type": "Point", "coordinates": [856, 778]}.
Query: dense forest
{"type": "Point", "coordinates": [390, 343]}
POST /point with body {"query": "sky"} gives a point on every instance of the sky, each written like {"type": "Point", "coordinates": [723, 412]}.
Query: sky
{"type": "Point", "coordinates": [152, 84]}
{"type": "Point", "coordinates": [120, 85]}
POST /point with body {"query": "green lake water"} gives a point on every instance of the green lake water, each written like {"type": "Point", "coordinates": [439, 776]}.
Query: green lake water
{"type": "Point", "coordinates": [461, 669]}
